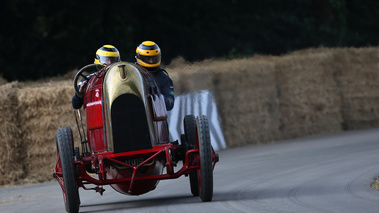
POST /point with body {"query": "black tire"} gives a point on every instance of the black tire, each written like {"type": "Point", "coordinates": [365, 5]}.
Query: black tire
{"type": "Point", "coordinates": [205, 178]}
{"type": "Point", "coordinates": [194, 183]}
{"type": "Point", "coordinates": [190, 130]}
{"type": "Point", "coordinates": [66, 153]}
{"type": "Point", "coordinates": [190, 136]}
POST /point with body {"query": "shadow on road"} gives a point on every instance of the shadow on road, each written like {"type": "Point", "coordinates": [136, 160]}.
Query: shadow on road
{"type": "Point", "coordinates": [141, 203]}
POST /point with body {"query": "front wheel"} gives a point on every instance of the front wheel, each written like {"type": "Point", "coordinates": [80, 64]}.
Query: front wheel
{"type": "Point", "coordinates": [205, 173]}
{"type": "Point", "coordinates": [66, 154]}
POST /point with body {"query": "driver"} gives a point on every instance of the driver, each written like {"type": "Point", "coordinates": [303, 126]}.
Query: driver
{"type": "Point", "coordinates": [148, 55]}
{"type": "Point", "coordinates": [105, 55]}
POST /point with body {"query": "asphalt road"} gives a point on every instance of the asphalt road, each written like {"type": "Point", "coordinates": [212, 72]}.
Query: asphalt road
{"type": "Point", "coordinates": [317, 174]}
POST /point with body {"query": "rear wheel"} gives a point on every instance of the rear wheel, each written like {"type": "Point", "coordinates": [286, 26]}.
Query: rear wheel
{"type": "Point", "coordinates": [190, 136]}
{"type": "Point", "coordinates": [205, 173]}
{"type": "Point", "coordinates": [66, 153]}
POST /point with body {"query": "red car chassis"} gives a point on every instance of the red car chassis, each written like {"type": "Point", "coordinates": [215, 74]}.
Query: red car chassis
{"type": "Point", "coordinates": [161, 151]}
{"type": "Point", "coordinates": [128, 143]}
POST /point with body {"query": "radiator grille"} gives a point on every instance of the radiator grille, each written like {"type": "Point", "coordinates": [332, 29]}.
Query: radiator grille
{"type": "Point", "coordinates": [129, 124]}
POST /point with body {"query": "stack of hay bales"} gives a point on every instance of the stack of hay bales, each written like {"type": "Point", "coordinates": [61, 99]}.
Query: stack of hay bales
{"type": "Point", "coordinates": [266, 98]}
{"type": "Point", "coordinates": [30, 117]}
{"type": "Point", "coordinates": [43, 110]}
{"type": "Point", "coordinates": [259, 99]}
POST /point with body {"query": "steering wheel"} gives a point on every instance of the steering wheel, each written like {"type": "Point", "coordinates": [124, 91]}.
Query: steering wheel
{"type": "Point", "coordinates": [91, 68]}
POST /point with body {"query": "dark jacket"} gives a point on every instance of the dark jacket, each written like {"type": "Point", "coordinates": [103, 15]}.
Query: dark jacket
{"type": "Point", "coordinates": [166, 86]}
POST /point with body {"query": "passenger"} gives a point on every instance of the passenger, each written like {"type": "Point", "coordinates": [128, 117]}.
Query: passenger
{"type": "Point", "coordinates": [105, 55]}
{"type": "Point", "coordinates": [148, 55]}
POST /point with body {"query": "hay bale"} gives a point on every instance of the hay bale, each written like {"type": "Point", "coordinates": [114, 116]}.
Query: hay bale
{"type": "Point", "coordinates": [11, 152]}
{"type": "Point", "coordinates": [309, 99]}
{"type": "Point", "coordinates": [358, 78]}
{"type": "Point", "coordinates": [247, 94]}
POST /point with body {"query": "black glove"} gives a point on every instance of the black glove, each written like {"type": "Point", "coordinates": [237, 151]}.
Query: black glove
{"type": "Point", "coordinates": [169, 103]}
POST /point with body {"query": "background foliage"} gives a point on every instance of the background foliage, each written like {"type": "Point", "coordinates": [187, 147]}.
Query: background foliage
{"type": "Point", "coordinates": [46, 38]}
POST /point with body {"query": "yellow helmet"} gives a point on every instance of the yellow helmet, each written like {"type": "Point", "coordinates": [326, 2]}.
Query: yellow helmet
{"type": "Point", "coordinates": [148, 54]}
{"type": "Point", "coordinates": [106, 55]}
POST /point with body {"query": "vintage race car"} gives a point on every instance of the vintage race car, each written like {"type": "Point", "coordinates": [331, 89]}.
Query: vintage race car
{"type": "Point", "coordinates": [125, 142]}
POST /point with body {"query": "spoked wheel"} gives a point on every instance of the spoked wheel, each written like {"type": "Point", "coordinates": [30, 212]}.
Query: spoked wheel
{"type": "Point", "coordinates": [205, 173]}
{"type": "Point", "coordinates": [190, 136]}
{"type": "Point", "coordinates": [66, 153]}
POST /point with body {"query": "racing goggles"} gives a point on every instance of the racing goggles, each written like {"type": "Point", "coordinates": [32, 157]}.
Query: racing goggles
{"type": "Point", "coordinates": [154, 59]}
{"type": "Point", "coordinates": [107, 60]}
